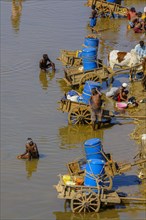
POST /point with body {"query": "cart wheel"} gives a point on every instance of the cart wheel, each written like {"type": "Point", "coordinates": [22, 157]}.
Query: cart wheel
{"type": "Point", "coordinates": [79, 115]}
{"type": "Point", "coordinates": [107, 182]}
{"type": "Point", "coordinates": [90, 76]}
{"type": "Point", "coordinates": [85, 201]}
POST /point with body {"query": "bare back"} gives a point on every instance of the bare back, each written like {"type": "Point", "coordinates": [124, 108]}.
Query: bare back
{"type": "Point", "coordinates": [95, 101]}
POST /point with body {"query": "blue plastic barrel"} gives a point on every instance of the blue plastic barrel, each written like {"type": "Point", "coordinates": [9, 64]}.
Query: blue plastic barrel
{"type": "Point", "coordinates": [89, 58]}
{"type": "Point", "coordinates": [92, 22]}
{"type": "Point", "coordinates": [93, 149]}
{"type": "Point", "coordinates": [89, 85]}
{"type": "Point", "coordinates": [89, 65]}
{"type": "Point", "coordinates": [89, 52]}
{"type": "Point", "coordinates": [91, 42]}
{"type": "Point", "coordinates": [94, 168]}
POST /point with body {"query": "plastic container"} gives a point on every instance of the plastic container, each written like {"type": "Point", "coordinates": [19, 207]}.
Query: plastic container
{"type": "Point", "coordinates": [89, 85]}
{"type": "Point", "coordinates": [91, 42]}
{"type": "Point", "coordinates": [92, 22]}
{"type": "Point", "coordinates": [89, 58]}
{"type": "Point", "coordinates": [89, 52]}
{"type": "Point", "coordinates": [94, 168]}
{"type": "Point", "coordinates": [121, 105]}
{"type": "Point", "coordinates": [93, 149]}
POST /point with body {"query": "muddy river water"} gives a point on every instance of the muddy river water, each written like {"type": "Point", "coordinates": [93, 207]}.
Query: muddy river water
{"type": "Point", "coordinates": [29, 108]}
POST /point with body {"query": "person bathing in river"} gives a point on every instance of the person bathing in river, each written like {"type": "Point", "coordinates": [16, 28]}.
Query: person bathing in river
{"type": "Point", "coordinates": [31, 151]}
{"type": "Point", "coordinates": [95, 105]}
{"type": "Point", "coordinates": [130, 15]}
{"type": "Point", "coordinates": [46, 63]}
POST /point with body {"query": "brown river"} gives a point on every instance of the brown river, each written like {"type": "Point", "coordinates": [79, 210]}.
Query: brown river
{"type": "Point", "coordinates": [29, 102]}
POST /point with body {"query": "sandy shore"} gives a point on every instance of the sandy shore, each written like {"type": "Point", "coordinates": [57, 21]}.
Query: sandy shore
{"type": "Point", "coordinates": [136, 90]}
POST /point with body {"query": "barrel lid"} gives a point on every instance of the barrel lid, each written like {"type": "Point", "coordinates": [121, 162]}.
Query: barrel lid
{"type": "Point", "coordinates": [92, 142]}
{"type": "Point", "coordinates": [96, 161]}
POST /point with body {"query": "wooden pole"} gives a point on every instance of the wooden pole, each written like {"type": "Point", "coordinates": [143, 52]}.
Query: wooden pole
{"type": "Point", "coordinates": [134, 116]}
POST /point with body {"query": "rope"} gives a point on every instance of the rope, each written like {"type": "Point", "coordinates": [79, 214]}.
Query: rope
{"type": "Point", "coordinates": [92, 175]}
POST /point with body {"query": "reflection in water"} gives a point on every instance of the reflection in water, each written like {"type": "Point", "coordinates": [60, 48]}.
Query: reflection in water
{"type": "Point", "coordinates": [108, 214]}
{"type": "Point", "coordinates": [45, 77]}
{"type": "Point", "coordinates": [71, 135]}
{"type": "Point", "coordinates": [16, 14]}
{"type": "Point", "coordinates": [31, 167]}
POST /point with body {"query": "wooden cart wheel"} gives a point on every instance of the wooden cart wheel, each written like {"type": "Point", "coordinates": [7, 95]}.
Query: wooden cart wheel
{"type": "Point", "coordinates": [79, 115]}
{"type": "Point", "coordinates": [85, 201]}
{"type": "Point", "coordinates": [107, 182]}
{"type": "Point", "coordinates": [90, 76]}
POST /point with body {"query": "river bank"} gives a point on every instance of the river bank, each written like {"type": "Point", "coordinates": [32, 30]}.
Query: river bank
{"type": "Point", "coordinates": [136, 90]}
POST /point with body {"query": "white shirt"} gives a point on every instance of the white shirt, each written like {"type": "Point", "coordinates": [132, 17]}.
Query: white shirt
{"type": "Point", "coordinates": [141, 51]}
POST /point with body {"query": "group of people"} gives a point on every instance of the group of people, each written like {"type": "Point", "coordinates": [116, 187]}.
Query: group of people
{"type": "Point", "coordinates": [137, 20]}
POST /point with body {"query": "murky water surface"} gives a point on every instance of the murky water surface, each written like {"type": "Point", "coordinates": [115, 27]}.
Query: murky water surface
{"type": "Point", "coordinates": [29, 108]}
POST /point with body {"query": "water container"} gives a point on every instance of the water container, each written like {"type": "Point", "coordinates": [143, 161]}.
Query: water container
{"type": "Point", "coordinates": [89, 85]}
{"type": "Point", "coordinates": [92, 22]}
{"type": "Point", "coordinates": [91, 42]}
{"type": "Point", "coordinates": [89, 52]}
{"type": "Point", "coordinates": [89, 58]}
{"type": "Point", "coordinates": [94, 168]}
{"type": "Point", "coordinates": [89, 65]}
{"type": "Point", "coordinates": [93, 149]}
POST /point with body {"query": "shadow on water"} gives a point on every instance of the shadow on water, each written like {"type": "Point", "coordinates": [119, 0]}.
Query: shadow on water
{"type": "Point", "coordinates": [125, 180]}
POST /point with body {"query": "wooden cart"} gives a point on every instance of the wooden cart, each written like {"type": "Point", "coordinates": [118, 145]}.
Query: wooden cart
{"type": "Point", "coordinates": [89, 199]}
{"type": "Point", "coordinates": [112, 168]}
{"type": "Point", "coordinates": [80, 113]}
{"type": "Point", "coordinates": [108, 8]}
{"type": "Point", "coordinates": [70, 58]}
{"type": "Point", "coordinates": [76, 76]}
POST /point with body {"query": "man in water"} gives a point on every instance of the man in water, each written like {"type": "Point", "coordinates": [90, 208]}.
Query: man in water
{"type": "Point", "coordinates": [46, 63]}
{"type": "Point", "coordinates": [31, 151]}
{"type": "Point", "coordinates": [95, 104]}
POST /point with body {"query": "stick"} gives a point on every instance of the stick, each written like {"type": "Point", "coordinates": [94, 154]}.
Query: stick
{"type": "Point", "coordinates": [127, 116]}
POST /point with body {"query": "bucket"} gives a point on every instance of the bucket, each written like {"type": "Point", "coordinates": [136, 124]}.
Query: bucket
{"type": "Point", "coordinates": [121, 105]}
{"type": "Point", "coordinates": [89, 85]}
{"type": "Point", "coordinates": [94, 168]}
{"type": "Point", "coordinates": [91, 42]}
{"type": "Point", "coordinates": [93, 149]}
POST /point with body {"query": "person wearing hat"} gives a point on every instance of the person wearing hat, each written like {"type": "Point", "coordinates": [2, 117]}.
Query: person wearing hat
{"type": "Point", "coordinates": [46, 63]}
{"type": "Point", "coordinates": [31, 151]}
{"type": "Point", "coordinates": [120, 95]}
